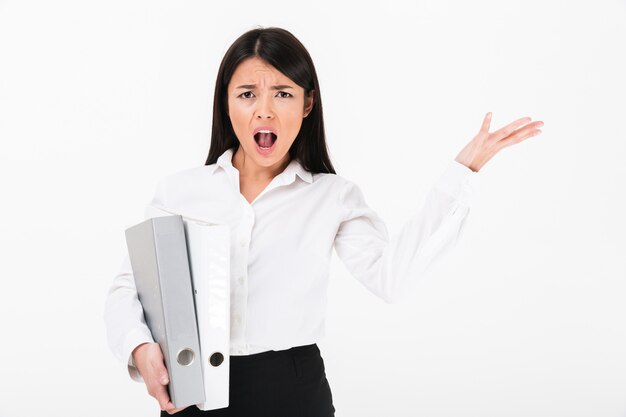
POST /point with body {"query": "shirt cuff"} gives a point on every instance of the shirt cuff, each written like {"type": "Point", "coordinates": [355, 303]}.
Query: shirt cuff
{"type": "Point", "coordinates": [458, 181]}
{"type": "Point", "coordinates": [135, 338]}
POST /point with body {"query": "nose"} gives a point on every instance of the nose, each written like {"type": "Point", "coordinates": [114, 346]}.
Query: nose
{"type": "Point", "coordinates": [264, 108]}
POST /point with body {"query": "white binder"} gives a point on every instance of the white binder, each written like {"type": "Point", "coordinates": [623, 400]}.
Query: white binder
{"type": "Point", "coordinates": [210, 271]}
{"type": "Point", "coordinates": [208, 245]}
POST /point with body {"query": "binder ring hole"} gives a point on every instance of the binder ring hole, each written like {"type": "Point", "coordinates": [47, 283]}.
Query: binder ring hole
{"type": "Point", "coordinates": [216, 359]}
{"type": "Point", "coordinates": [185, 357]}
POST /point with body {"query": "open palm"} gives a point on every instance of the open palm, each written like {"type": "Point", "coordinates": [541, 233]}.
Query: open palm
{"type": "Point", "coordinates": [485, 145]}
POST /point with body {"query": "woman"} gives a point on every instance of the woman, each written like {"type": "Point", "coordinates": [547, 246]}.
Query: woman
{"type": "Point", "coordinates": [268, 175]}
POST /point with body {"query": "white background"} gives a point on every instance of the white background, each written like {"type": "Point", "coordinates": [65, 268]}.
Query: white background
{"type": "Point", "coordinates": [525, 318]}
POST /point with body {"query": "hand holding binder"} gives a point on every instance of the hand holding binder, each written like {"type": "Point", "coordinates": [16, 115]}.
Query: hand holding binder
{"type": "Point", "coordinates": [149, 361]}
{"type": "Point", "coordinates": [163, 249]}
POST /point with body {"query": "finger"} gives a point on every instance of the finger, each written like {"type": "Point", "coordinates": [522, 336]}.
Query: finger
{"type": "Point", "coordinates": [486, 123]}
{"type": "Point", "coordinates": [169, 407]}
{"type": "Point", "coordinates": [160, 393]}
{"type": "Point", "coordinates": [176, 410]}
{"type": "Point", "coordinates": [510, 128]}
{"type": "Point", "coordinates": [161, 372]}
{"type": "Point", "coordinates": [526, 131]}
{"type": "Point", "coordinates": [517, 137]}
{"type": "Point", "coordinates": [164, 378]}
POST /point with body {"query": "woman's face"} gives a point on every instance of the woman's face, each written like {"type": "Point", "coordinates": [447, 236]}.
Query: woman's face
{"type": "Point", "coordinates": [262, 98]}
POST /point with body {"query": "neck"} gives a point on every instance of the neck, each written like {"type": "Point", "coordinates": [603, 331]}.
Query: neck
{"type": "Point", "coordinates": [253, 172]}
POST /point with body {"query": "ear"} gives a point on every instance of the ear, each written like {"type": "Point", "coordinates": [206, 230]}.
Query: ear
{"type": "Point", "coordinates": [308, 103]}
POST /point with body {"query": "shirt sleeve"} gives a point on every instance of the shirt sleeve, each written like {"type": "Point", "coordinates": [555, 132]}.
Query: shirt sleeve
{"type": "Point", "coordinates": [389, 268]}
{"type": "Point", "coordinates": [123, 314]}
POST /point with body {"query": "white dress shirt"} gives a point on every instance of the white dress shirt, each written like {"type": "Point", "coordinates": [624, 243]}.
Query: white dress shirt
{"type": "Point", "coordinates": [281, 247]}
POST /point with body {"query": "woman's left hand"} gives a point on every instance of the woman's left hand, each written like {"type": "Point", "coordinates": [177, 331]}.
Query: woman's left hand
{"type": "Point", "coordinates": [485, 145]}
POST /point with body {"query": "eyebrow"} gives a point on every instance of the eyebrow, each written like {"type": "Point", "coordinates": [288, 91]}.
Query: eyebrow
{"type": "Point", "coordinates": [253, 86]}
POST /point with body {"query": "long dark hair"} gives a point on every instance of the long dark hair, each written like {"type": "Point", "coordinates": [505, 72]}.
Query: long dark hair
{"type": "Point", "coordinates": [282, 50]}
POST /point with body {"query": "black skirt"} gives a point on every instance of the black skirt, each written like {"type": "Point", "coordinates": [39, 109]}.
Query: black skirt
{"type": "Point", "coordinates": [289, 383]}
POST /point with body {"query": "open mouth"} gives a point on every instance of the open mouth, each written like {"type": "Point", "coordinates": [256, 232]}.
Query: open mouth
{"type": "Point", "coordinates": [265, 138]}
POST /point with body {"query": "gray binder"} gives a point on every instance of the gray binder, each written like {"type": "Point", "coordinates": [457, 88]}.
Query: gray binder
{"type": "Point", "coordinates": [157, 249]}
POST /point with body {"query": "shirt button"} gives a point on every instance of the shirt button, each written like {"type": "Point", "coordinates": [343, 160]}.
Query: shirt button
{"type": "Point", "coordinates": [243, 243]}
{"type": "Point", "coordinates": [241, 280]}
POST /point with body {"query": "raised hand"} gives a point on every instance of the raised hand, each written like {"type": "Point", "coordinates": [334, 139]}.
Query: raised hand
{"type": "Point", "coordinates": [485, 145]}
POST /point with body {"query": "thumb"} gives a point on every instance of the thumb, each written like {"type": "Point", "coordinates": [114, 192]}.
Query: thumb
{"type": "Point", "coordinates": [164, 378]}
{"type": "Point", "coordinates": [486, 122]}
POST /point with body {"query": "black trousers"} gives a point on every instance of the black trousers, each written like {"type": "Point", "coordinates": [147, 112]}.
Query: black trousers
{"type": "Point", "coordinates": [283, 383]}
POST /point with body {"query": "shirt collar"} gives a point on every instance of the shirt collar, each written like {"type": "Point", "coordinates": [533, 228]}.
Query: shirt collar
{"type": "Point", "coordinates": [294, 168]}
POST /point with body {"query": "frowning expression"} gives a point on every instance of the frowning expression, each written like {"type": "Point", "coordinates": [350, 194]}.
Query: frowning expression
{"type": "Point", "coordinates": [266, 110]}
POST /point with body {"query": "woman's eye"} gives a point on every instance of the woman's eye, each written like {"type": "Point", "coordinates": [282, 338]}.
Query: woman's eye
{"type": "Point", "coordinates": [281, 94]}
